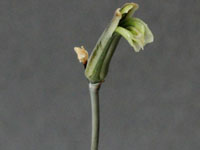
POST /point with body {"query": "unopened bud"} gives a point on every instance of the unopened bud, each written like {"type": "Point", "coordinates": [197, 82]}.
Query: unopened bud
{"type": "Point", "coordinates": [82, 54]}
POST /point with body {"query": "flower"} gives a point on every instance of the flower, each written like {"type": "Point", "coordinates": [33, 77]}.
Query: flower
{"type": "Point", "coordinates": [134, 30]}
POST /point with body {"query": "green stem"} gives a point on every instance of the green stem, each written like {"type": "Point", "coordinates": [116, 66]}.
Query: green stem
{"type": "Point", "coordinates": [94, 95]}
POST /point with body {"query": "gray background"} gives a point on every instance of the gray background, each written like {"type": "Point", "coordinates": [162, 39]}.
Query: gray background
{"type": "Point", "coordinates": [150, 100]}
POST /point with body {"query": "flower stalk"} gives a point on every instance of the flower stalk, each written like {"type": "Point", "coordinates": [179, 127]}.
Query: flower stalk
{"type": "Point", "coordinates": [94, 96]}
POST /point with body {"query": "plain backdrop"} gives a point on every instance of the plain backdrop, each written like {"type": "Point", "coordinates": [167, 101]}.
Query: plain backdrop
{"type": "Point", "coordinates": [149, 101]}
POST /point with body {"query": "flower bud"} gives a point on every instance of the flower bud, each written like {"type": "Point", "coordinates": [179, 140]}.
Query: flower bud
{"type": "Point", "coordinates": [82, 54]}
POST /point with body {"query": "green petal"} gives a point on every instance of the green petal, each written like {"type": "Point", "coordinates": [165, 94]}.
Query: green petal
{"type": "Point", "coordinates": [138, 36]}
{"type": "Point", "coordinates": [148, 34]}
{"type": "Point", "coordinates": [141, 26]}
{"type": "Point", "coordinates": [129, 9]}
{"type": "Point", "coordinates": [133, 22]}
{"type": "Point", "coordinates": [129, 37]}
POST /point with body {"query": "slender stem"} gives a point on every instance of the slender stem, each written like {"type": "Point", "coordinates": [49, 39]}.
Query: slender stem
{"type": "Point", "coordinates": [94, 95]}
